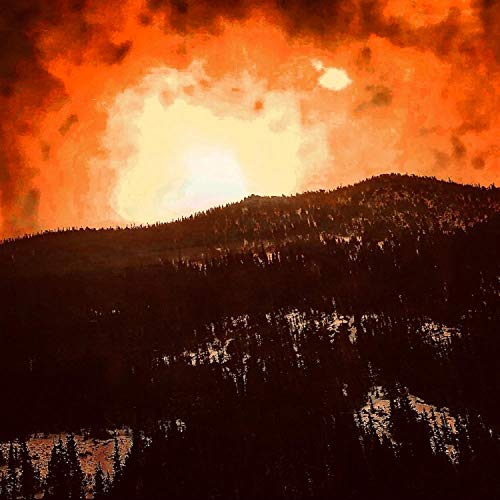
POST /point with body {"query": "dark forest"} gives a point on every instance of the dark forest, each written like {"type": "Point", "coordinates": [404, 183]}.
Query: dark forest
{"type": "Point", "coordinates": [246, 347]}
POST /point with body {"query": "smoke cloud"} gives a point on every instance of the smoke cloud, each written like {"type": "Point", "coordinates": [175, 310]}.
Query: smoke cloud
{"type": "Point", "coordinates": [422, 94]}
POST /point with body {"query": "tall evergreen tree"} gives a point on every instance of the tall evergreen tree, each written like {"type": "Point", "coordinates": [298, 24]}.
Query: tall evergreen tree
{"type": "Point", "coordinates": [12, 479]}
{"type": "Point", "coordinates": [117, 463]}
{"type": "Point", "coordinates": [100, 486]}
{"type": "Point", "coordinates": [28, 479]}
{"type": "Point", "coordinates": [76, 478]}
{"type": "Point", "coordinates": [57, 486]}
{"type": "Point", "coordinates": [4, 487]}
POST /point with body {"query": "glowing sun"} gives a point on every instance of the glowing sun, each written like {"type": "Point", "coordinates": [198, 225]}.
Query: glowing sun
{"type": "Point", "coordinates": [181, 143]}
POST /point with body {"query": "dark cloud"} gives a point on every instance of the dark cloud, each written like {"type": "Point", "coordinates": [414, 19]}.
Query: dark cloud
{"type": "Point", "coordinates": [381, 96]}
{"type": "Point", "coordinates": [17, 44]}
{"type": "Point", "coordinates": [23, 73]}
{"type": "Point", "coordinates": [489, 13]}
{"type": "Point", "coordinates": [478, 163]}
{"type": "Point", "coordinates": [459, 149]}
{"type": "Point", "coordinates": [19, 202]}
{"type": "Point", "coordinates": [30, 206]}
{"type": "Point", "coordinates": [77, 5]}
{"type": "Point", "coordinates": [442, 160]}
{"type": "Point", "coordinates": [317, 17]}
{"type": "Point", "coordinates": [328, 19]}
{"type": "Point", "coordinates": [191, 15]}
{"type": "Point", "coordinates": [145, 19]}
{"type": "Point", "coordinates": [115, 53]}
{"type": "Point", "coordinates": [332, 20]}
{"type": "Point", "coordinates": [45, 149]}
{"type": "Point", "coordinates": [359, 19]}
{"type": "Point", "coordinates": [427, 130]}
{"type": "Point", "coordinates": [68, 123]}
{"type": "Point", "coordinates": [155, 5]}
{"type": "Point", "coordinates": [180, 6]}
{"type": "Point", "coordinates": [364, 57]}
{"type": "Point", "coordinates": [441, 38]}
{"type": "Point", "coordinates": [19, 67]}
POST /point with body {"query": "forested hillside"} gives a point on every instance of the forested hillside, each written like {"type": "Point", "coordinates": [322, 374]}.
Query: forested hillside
{"type": "Point", "coordinates": [243, 346]}
{"type": "Point", "coordinates": [376, 209]}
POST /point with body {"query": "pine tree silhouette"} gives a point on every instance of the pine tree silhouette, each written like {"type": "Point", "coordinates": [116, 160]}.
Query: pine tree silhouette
{"type": "Point", "coordinates": [75, 474]}
{"type": "Point", "coordinates": [12, 479]}
{"type": "Point", "coordinates": [29, 477]}
{"type": "Point", "coordinates": [58, 473]}
{"type": "Point", "coordinates": [100, 486]}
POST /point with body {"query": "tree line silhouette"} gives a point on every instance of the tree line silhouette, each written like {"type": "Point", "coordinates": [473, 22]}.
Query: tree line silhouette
{"type": "Point", "coordinates": [254, 448]}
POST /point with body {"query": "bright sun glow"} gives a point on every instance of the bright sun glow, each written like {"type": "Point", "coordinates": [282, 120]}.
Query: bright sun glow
{"type": "Point", "coordinates": [179, 146]}
{"type": "Point", "coordinates": [213, 177]}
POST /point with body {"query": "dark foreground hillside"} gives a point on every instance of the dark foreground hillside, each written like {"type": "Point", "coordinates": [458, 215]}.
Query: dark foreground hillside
{"type": "Point", "coordinates": [249, 348]}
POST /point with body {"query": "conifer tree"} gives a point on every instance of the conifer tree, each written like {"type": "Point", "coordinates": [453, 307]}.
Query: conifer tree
{"type": "Point", "coordinates": [75, 479]}
{"type": "Point", "coordinates": [57, 487]}
{"type": "Point", "coordinates": [12, 480]}
{"type": "Point", "coordinates": [117, 464]}
{"type": "Point", "coordinates": [28, 480]}
{"type": "Point", "coordinates": [100, 486]}
{"type": "Point", "coordinates": [3, 486]}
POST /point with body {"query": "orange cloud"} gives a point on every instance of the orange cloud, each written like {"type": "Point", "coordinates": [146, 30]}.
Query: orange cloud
{"type": "Point", "coordinates": [289, 96]}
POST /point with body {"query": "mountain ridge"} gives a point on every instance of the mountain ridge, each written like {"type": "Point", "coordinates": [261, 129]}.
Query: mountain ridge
{"type": "Point", "coordinates": [376, 208]}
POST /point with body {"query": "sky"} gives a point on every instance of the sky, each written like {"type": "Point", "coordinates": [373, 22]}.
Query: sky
{"type": "Point", "coordinates": [137, 111]}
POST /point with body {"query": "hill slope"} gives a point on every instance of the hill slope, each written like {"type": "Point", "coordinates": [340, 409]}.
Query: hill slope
{"type": "Point", "coordinates": [377, 209]}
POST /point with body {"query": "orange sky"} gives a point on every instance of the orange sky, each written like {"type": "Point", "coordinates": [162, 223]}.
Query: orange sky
{"type": "Point", "coordinates": [137, 111]}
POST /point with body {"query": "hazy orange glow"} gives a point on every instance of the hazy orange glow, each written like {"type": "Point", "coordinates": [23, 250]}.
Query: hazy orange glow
{"type": "Point", "coordinates": [182, 142]}
{"type": "Point", "coordinates": [132, 120]}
